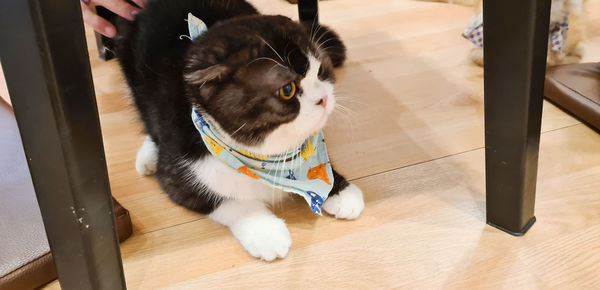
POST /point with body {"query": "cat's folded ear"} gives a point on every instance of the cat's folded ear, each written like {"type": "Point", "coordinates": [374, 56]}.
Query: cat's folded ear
{"type": "Point", "coordinates": [211, 73]}
{"type": "Point", "coordinates": [327, 41]}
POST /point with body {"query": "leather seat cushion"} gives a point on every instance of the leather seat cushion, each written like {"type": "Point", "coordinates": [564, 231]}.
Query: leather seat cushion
{"type": "Point", "coordinates": [576, 88]}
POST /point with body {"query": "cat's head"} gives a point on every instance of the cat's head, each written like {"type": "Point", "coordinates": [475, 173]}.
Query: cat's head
{"type": "Point", "coordinates": [265, 82]}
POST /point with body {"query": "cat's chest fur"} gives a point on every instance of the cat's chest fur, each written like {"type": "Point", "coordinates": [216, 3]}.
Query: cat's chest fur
{"type": "Point", "coordinates": [229, 183]}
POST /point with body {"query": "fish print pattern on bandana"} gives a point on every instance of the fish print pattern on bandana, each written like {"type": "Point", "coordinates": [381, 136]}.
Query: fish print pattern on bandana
{"type": "Point", "coordinates": [305, 171]}
{"type": "Point", "coordinates": [557, 37]}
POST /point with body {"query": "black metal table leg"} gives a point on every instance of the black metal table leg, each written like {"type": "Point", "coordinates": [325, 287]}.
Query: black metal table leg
{"type": "Point", "coordinates": [516, 44]}
{"type": "Point", "coordinates": [308, 11]}
{"type": "Point", "coordinates": [45, 60]}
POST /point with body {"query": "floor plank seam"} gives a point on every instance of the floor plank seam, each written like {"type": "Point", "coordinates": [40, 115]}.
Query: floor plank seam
{"type": "Point", "coordinates": [450, 155]}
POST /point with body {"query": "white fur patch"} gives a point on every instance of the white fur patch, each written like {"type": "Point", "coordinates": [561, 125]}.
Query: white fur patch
{"type": "Point", "coordinates": [147, 157]}
{"type": "Point", "coordinates": [231, 184]}
{"type": "Point", "coordinates": [348, 204]}
{"type": "Point", "coordinates": [262, 234]}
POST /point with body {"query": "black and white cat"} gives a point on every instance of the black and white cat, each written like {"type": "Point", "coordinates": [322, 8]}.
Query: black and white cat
{"type": "Point", "coordinates": [239, 74]}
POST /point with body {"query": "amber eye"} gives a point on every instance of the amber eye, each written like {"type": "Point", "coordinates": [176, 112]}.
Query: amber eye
{"type": "Point", "coordinates": [288, 91]}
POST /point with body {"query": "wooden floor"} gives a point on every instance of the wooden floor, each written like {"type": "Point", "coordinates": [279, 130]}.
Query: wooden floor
{"type": "Point", "coordinates": [414, 143]}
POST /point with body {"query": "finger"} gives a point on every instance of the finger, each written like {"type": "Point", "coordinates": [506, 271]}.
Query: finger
{"type": "Point", "coordinates": [140, 3]}
{"type": "Point", "coordinates": [119, 7]}
{"type": "Point", "coordinates": [98, 23]}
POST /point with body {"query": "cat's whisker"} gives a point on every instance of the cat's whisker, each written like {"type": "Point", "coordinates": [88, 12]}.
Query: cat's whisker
{"type": "Point", "coordinates": [267, 58]}
{"type": "Point", "coordinates": [345, 98]}
{"type": "Point", "coordinates": [326, 49]}
{"type": "Point", "coordinates": [317, 31]}
{"type": "Point", "coordinates": [341, 108]}
{"type": "Point", "coordinates": [274, 66]}
{"type": "Point", "coordinates": [344, 110]}
{"type": "Point", "coordinates": [349, 100]}
{"type": "Point", "coordinates": [322, 43]}
{"type": "Point", "coordinates": [288, 56]}
{"type": "Point", "coordinates": [312, 26]}
{"type": "Point", "coordinates": [181, 37]}
{"type": "Point", "coordinates": [150, 69]}
{"type": "Point", "coordinates": [238, 129]}
{"type": "Point", "coordinates": [322, 35]}
{"type": "Point", "coordinates": [263, 40]}
{"type": "Point", "coordinates": [345, 114]}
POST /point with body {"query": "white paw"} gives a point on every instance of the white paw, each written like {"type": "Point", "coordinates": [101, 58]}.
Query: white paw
{"type": "Point", "coordinates": [264, 237]}
{"type": "Point", "coordinates": [147, 157]}
{"type": "Point", "coordinates": [348, 204]}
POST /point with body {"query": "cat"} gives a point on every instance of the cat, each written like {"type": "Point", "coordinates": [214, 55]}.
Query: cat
{"type": "Point", "coordinates": [572, 49]}
{"type": "Point", "coordinates": [265, 83]}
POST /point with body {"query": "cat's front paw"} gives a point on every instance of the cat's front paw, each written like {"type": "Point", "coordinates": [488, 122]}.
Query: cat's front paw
{"type": "Point", "coordinates": [264, 237]}
{"type": "Point", "coordinates": [348, 204]}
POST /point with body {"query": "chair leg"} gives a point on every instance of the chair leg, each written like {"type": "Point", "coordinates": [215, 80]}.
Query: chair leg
{"type": "Point", "coordinates": [45, 60]}
{"type": "Point", "coordinates": [308, 11]}
{"type": "Point", "coordinates": [516, 44]}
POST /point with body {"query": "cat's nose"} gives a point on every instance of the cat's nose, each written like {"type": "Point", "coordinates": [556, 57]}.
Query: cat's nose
{"type": "Point", "coordinates": [322, 102]}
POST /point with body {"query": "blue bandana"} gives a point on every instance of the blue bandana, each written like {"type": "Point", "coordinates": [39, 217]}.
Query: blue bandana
{"type": "Point", "coordinates": [305, 171]}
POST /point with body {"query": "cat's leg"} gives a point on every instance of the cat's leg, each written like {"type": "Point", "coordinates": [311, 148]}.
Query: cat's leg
{"type": "Point", "coordinates": [231, 199]}
{"type": "Point", "coordinates": [345, 200]}
{"type": "Point", "coordinates": [260, 232]}
{"type": "Point", "coordinates": [147, 157]}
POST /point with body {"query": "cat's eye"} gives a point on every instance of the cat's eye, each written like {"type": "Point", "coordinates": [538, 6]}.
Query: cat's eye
{"type": "Point", "coordinates": [288, 91]}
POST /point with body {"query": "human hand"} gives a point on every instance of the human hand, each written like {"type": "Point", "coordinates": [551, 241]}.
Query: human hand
{"type": "Point", "coordinates": [119, 7]}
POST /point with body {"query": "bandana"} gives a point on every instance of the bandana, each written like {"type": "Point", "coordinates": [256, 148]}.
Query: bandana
{"type": "Point", "coordinates": [196, 26]}
{"type": "Point", "coordinates": [305, 170]}
{"type": "Point", "coordinates": [557, 37]}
